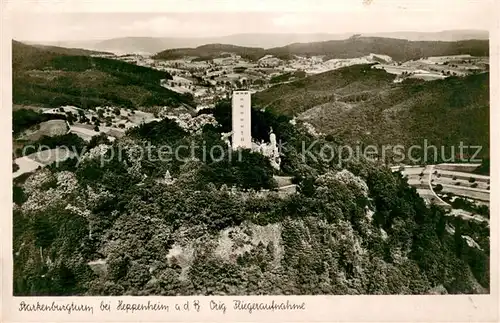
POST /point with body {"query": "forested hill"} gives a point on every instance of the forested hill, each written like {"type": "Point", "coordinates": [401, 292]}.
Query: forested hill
{"type": "Point", "coordinates": [71, 51]}
{"type": "Point", "coordinates": [32, 56]}
{"type": "Point", "coordinates": [398, 49]}
{"type": "Point", "coordinates": [211, 51]}
{"type": "Point", "coordinates": [48, 78]}
{"type": "Point", "coordinates": [119, 226]}
{"type": "Point", "coordinates": [359, 103]}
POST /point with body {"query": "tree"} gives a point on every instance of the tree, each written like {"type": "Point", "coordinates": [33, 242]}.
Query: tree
{"type": "Point", "coordinates": [18, 195]}
{"type": "Point", "coordinates": [97, 140]}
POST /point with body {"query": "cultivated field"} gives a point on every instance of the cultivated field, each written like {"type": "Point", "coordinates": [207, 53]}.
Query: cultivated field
{"type": "Point", "coordinates": [47, 157]}
{"type": "Point", "coordinates": [43, 158]}
{"type": "Point", "coordinates": [26, 165]}
{"type": "Point", "coordinates": [467, 192]}
{"type": "Point", "coordinates": [47, 128]}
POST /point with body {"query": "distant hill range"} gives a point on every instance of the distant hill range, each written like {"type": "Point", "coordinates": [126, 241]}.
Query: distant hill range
{"type": "Point", "coordinates": [54, 76]}
{"type": "Point", "coordinates": [154, 45]}
{"type": "Point", "coordinates": [359, 103]}
{"type": "Point", "coordinates": [352, 47]}
{"type": "Point", "coordinates": [398, 49]}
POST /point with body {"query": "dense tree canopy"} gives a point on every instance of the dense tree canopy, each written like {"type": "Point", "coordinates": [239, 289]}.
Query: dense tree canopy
{"type": "Point", "coordinates": [115, 225]}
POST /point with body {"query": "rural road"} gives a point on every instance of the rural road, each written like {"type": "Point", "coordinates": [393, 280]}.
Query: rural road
{"type": "Point", "coordinates": [430, 186]}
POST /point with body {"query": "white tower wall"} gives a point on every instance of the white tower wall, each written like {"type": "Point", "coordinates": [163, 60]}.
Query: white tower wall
{"type": "Point", "coordinates": [241, 107]}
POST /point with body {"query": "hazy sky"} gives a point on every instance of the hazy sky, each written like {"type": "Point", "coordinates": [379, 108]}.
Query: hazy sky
{"type": "Point", "coordinates": [209, 18]}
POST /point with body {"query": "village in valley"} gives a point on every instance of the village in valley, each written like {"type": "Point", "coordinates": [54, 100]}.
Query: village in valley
{"type": "Point", "coordinates": [215, 78]}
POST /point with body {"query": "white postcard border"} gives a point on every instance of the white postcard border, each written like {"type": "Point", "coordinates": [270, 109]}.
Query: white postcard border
{"type": "Point", "coordinates": [450, 308]}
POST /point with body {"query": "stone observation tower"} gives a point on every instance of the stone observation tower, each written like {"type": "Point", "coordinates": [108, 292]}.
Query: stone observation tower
{"type": "Point", "coordinates": [242, 137]}
{"type": "Point", "coordinates": [241, 132]}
